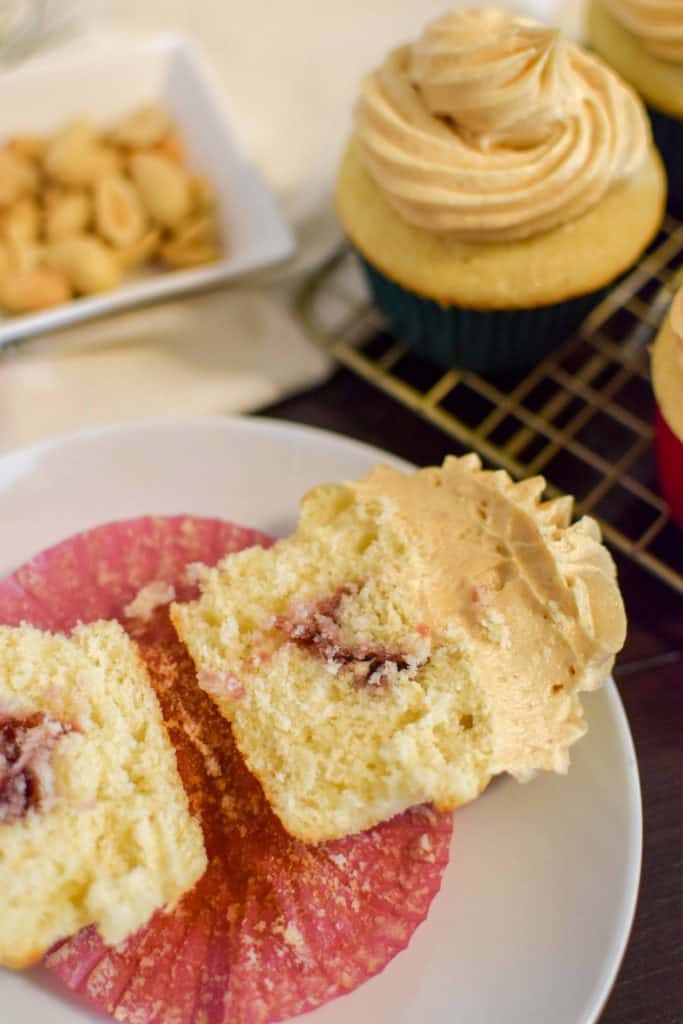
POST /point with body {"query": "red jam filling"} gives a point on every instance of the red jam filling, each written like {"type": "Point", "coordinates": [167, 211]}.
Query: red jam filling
{"type": "Point", "coordinates": [315, 628]}
{"type": "Point", "coordinates": [26, 778]}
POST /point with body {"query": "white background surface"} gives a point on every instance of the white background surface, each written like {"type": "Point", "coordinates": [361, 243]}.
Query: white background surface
{"type": "Point", "coordinates": [536, 905]}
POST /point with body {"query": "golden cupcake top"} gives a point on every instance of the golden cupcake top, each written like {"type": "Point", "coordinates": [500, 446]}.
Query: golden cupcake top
{"type": "Point", "coordinates": [492, 127]}
{"type": "Point", "coordinates": [667, 367]}
{"type": "Point", "coordinates": [531, 599]}
{"type": "Point", "coordinates": [658, 24]}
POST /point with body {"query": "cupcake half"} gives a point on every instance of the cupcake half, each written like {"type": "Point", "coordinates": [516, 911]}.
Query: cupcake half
{"type": "Point", "coordinates": [95, 826]}
{"type": "Point", "coordinates": [667, 380]}
{"type": "Point", "coordinates": [497, 181]}
{"type": "Point", "coordinates": [417, 635]}
{"type": "Point", "coordinates": [643, 40]}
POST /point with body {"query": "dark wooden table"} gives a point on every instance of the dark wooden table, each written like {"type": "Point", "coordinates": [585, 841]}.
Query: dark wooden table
{"type": "Point", "coordinates": [649, 674]}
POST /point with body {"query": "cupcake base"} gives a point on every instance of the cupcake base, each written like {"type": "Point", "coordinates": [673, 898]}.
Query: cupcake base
{"type": "Point", "coordinates": [495, 306]}
{"type": "Point", "coordinates": [487, 341]}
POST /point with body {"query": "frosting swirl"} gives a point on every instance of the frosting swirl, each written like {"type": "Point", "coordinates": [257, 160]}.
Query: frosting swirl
{"type": "Point", "coordinates": [658, 24]}
{"type": "Point", "coordinates": [491, 127]}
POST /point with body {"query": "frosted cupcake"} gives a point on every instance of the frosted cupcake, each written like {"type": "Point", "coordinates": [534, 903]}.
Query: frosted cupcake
{"type": "Point", "coordinates": [417, 635]}
{"type": "Point", "coordinates": [667, 380]}
{"type": "Point", "coordinates": [643, 40]}
{"type": "Point", "coordinates": [497, 181]}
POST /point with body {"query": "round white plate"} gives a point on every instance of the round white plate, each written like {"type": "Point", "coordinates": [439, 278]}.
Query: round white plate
{"type": "Point", "coordinates": [537, 902]}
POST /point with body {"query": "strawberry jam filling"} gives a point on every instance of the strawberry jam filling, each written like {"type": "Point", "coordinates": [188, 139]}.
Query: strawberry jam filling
{"type": "Point", "coordinates": [315, 628]}
{"type": "Point", "coordinates": [26, 777]}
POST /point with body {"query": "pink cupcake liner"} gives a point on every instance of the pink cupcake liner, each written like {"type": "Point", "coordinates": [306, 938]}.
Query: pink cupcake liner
{"type": "Point", "coordinates": [274, 927]}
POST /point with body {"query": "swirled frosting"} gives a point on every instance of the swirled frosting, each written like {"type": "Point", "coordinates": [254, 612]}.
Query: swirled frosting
{"type": "Point", "coordinates": [658, 24]}
{"type": "Point", "coordinates": [491, 127]}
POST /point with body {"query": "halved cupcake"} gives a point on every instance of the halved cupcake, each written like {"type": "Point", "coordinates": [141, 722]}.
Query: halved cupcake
{"type": "Point", "coordinates": [498, 180]}
{"type": "Point", "coordinates": [417, 635]}
{"type": "Point", "coordinates": [95, 827]}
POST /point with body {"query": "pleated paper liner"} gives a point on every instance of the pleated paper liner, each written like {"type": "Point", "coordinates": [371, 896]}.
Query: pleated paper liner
{"type": "Point", "coordinates": [487, 341]}
{"type": "Point", "coordinates": [275, 927]}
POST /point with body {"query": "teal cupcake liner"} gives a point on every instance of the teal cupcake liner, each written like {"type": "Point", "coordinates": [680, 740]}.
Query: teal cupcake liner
{"type": "Point", "coordinates": [668, 135]}
{"type": "Point", "coordinates": [471, 339]}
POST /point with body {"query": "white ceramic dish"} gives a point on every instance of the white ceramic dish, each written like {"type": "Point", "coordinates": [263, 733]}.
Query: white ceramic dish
{"type": "Point", "coordinates": [537, 902]}
{"type": "Point", "coordinates": [107, 79]}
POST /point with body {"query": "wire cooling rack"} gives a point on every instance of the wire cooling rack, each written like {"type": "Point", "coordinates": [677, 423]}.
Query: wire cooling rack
{"type": "Point", "coordinates": [582, 417]}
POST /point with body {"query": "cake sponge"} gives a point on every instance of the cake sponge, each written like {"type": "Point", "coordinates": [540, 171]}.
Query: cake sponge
{"type": "Point", "coordinates": [94, 821]}
{"type": "Point", "coordinates": [417, 634]}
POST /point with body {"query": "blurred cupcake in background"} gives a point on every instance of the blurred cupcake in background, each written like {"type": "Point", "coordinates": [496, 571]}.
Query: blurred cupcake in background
{"type": "Point", "coordinates": [667, 381]}
{"type": "Point", "coordinates": [498, 180]}
{"type": "Point", "coordinates": [643, 40]}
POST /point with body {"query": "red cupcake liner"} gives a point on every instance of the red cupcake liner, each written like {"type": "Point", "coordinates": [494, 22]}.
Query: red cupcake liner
{"type": "Point", "coordinates": [670, 464]}
{"type": "Point", "coordinates": [274, 927]}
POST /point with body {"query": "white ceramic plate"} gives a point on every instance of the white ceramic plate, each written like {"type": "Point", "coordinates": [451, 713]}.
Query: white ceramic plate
{"type": "Point", "coordinates": [537, 902]}
{"type": "Point", "coordinates": [106, 78]}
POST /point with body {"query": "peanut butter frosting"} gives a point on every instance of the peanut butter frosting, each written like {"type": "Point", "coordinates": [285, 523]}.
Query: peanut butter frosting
{"type": "Point", "coordinates": [658, 24]}
{"type": "Point", "coordinates": [531, 599]}
{"type": "Point", "coordinates": [491, 127]}
{"type": "Point", "coordinates": [667, 367]}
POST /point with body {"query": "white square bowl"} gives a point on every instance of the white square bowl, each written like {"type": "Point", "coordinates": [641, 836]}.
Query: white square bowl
{"type": "Point", "coordinates": [104, 80]}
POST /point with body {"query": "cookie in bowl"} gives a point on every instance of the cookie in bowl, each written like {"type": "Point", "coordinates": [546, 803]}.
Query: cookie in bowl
{"type": "Point", "coordinates": [498, 180]}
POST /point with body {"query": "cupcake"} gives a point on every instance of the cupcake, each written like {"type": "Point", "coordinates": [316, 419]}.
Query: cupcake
{"type": "Point", "coordinates": [643, 40]}
{"type": "Point", "coordinates": [667, 380]}
{"type": "Point", "coordinates": [417, 635]}
{"type": "Point", "coordinates": [498, 180]}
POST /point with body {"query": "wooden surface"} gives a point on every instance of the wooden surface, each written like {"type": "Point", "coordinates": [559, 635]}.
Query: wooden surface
{"type": "Point", "coordinates": [649, 674]}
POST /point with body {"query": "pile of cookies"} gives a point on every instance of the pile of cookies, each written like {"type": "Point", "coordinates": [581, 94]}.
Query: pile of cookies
{"type": "Point", "coordinates": [81, 208]}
